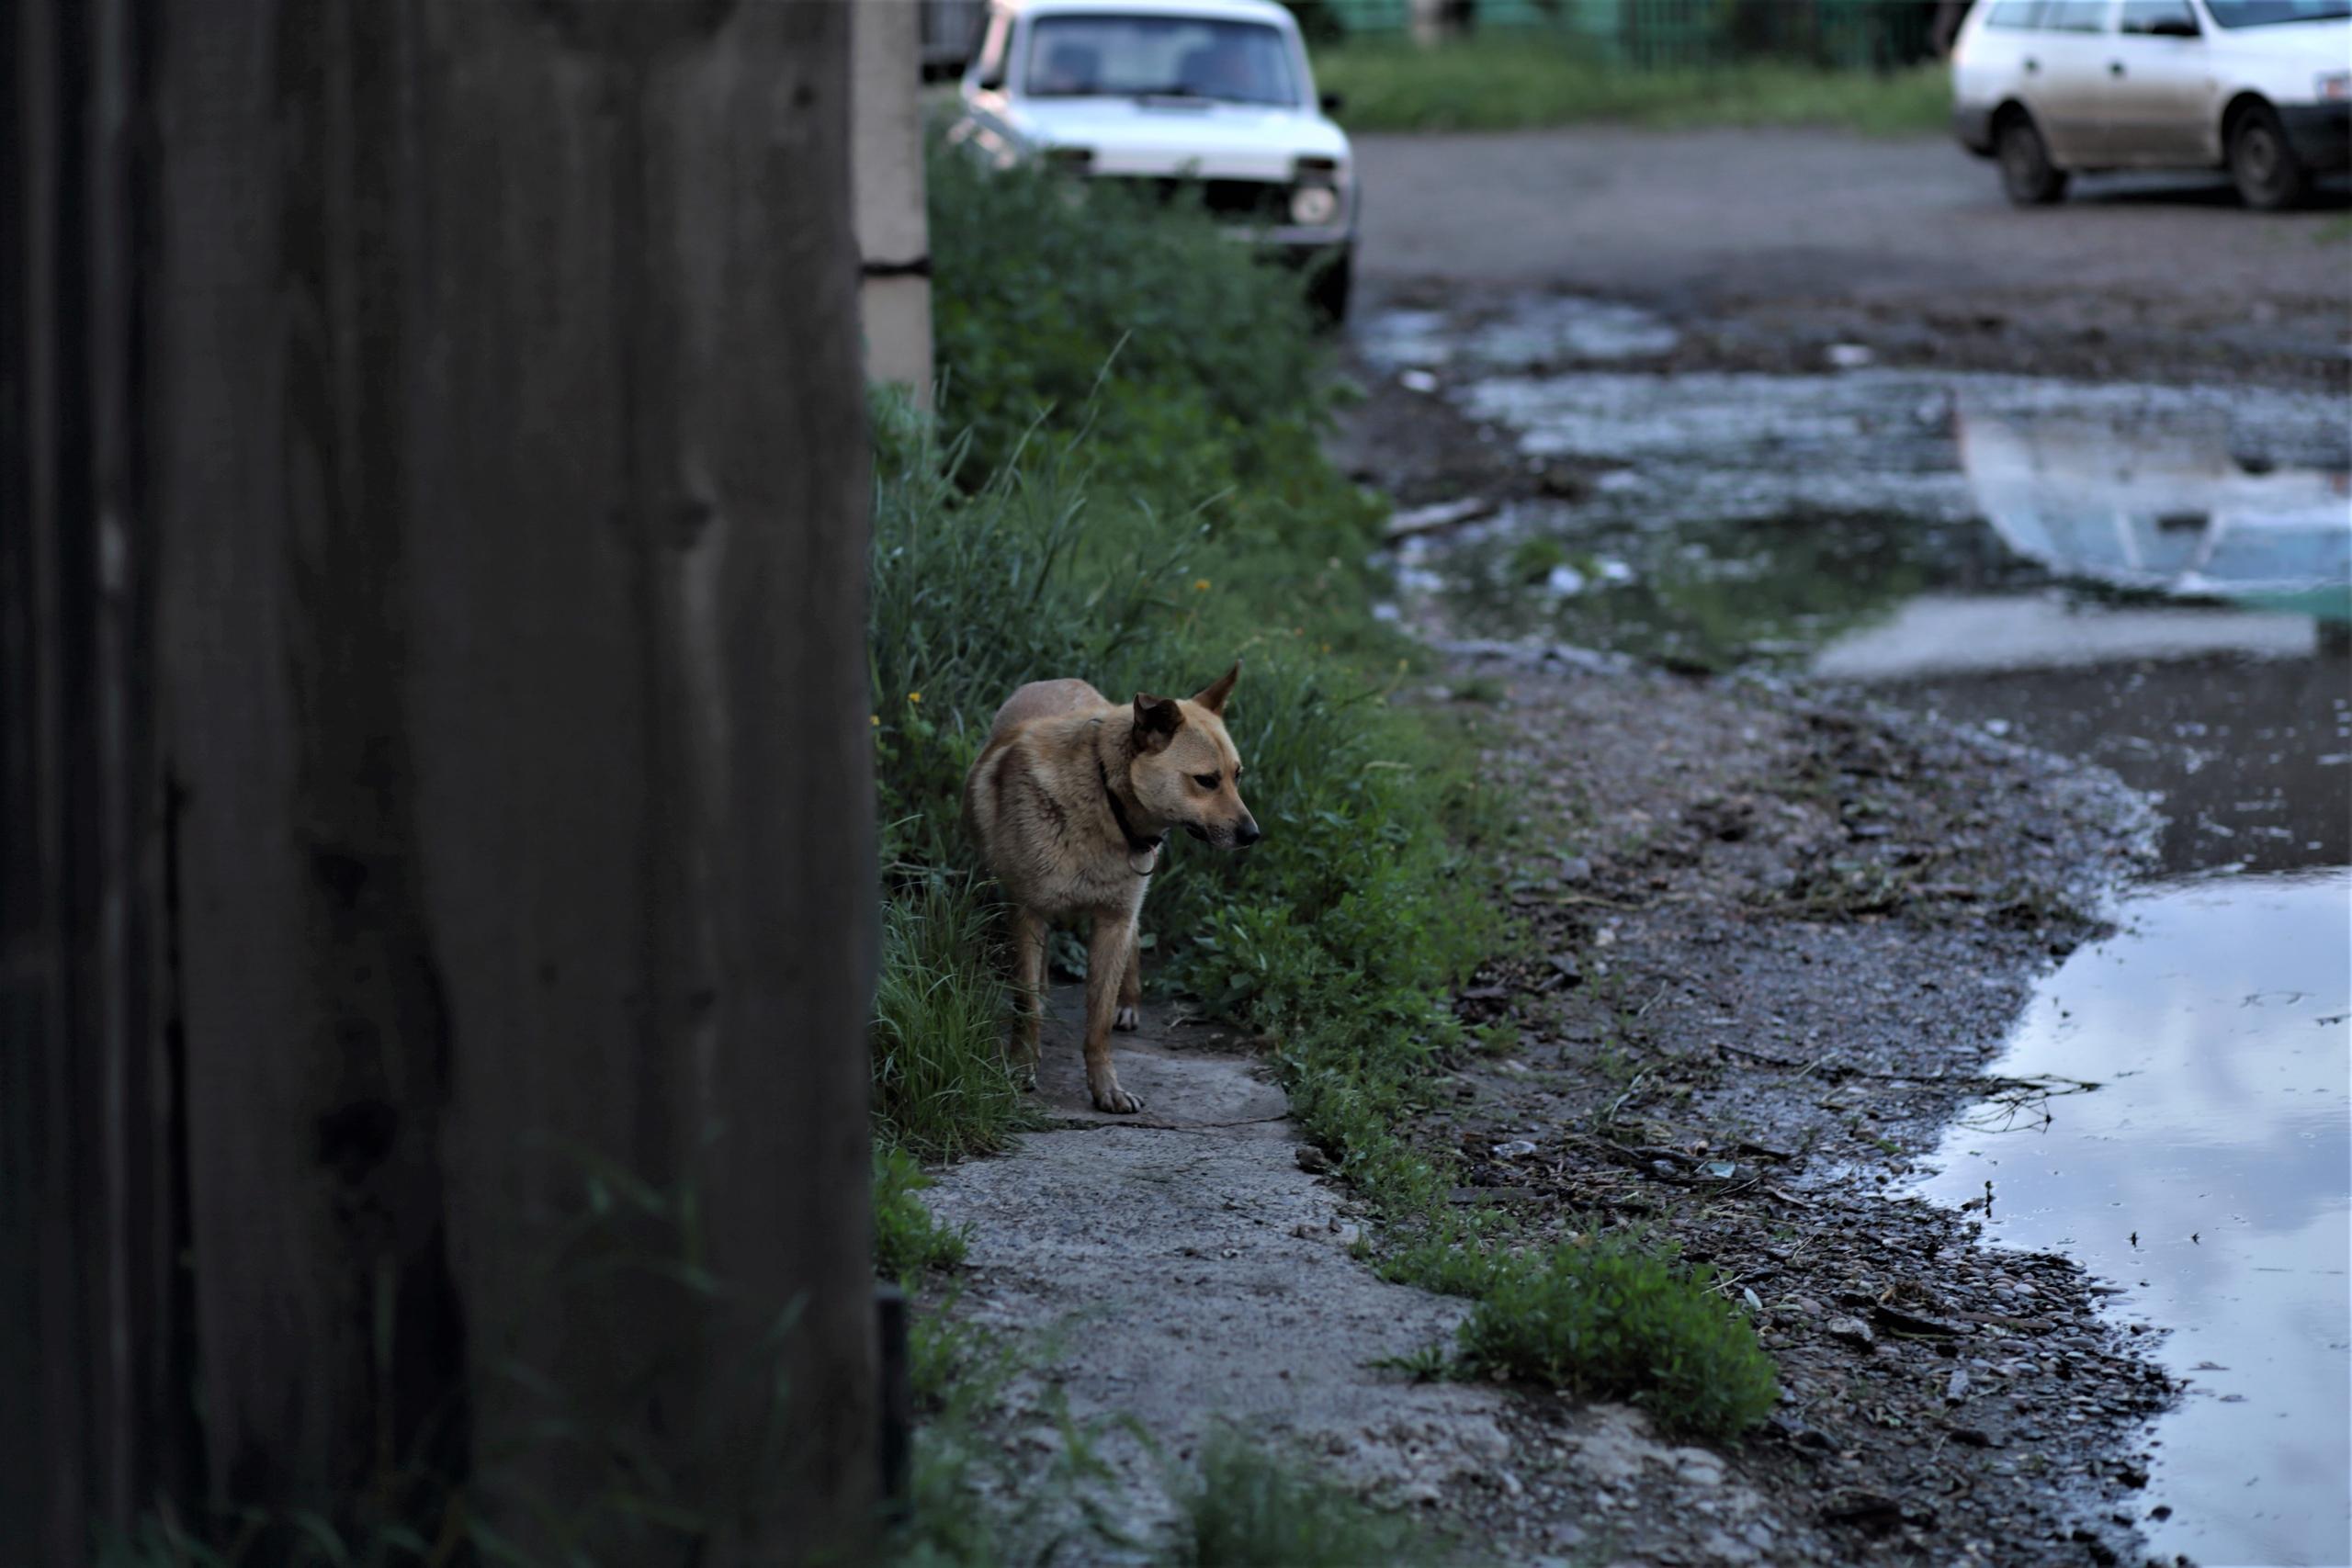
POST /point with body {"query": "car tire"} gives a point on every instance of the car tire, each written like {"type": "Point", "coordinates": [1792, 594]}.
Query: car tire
{"type": "Point", "coordinates": [2263, 164]}
{"type": "Point", "coordinates": [1328, 288]}
{"type": "Point", "coordinates": [2028, 176]}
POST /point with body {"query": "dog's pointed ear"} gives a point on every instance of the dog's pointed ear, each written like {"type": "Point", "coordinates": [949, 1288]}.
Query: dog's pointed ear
{"type": "Point", "coordinates": [1157, 721]}
{"type": "Point", "coordinates": [1212, 696]}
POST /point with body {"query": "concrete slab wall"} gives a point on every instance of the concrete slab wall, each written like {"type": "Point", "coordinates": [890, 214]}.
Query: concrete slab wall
{"type": "Point", "coordinates": [886, 164]}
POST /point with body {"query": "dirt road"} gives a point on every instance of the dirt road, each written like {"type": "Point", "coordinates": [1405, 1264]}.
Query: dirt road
{"type": "Point", "coordinates": [1793, 237]}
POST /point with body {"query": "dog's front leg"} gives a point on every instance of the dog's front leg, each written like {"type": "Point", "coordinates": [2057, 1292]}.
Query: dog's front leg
{"type": "Point", "coordinates": [1106, 966]}
{"type": "Point", "coordinates": [1130, 1014]}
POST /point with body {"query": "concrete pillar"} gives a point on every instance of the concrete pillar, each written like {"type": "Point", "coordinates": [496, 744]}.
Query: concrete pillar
{"type": "Point", "coordinates": [886, 165]}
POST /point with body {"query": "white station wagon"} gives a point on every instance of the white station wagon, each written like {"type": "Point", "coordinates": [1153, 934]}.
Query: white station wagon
{"type": "Point", "coordinates": [2260, 87]}
{"type": "Point", "coordinates": [1216, 93]}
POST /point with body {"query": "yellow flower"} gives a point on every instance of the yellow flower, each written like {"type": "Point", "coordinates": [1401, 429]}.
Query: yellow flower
{"type": "Point", "coordinates": [877, 718]}
{"type": "Point", "coordinates": [1199, 585]}
{"type": "Point", "coordinates": [914, 696]}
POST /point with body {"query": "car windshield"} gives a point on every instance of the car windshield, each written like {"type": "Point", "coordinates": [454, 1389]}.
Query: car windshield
{"type": "Point", "coordinates": [2269, 13]}
{"type": "Point", "coordinates": [1077, 56]}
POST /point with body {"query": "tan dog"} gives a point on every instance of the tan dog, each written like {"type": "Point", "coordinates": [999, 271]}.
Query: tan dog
{"type": "Point", "coordinates": [1068, 803]}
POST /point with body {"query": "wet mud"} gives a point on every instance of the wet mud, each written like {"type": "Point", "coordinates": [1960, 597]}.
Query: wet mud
{"type": "Point", "coordinates": [1851, 694]}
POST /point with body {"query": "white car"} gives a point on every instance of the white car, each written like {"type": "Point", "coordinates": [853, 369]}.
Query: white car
{"type": "Point", "coordinates": [1172, 92]}
{"type": "Point", "coordinates": [2260, 87]}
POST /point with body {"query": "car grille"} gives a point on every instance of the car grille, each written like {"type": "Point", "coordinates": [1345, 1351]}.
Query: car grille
{"type": "Point", "coordinates": [1234, 201]}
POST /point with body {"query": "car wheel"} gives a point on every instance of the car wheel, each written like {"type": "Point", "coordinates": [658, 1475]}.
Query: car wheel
{"type": "Point", "coordinates": [2028, 175]}
{"type": "Point", "coordinates": [1327, 289]}
{"type": "Point", "coordinates": [2263, 164]}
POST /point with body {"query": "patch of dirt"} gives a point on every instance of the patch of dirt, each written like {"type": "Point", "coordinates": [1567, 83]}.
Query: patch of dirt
{"type": "Point", "coordinates": [1773, 944]}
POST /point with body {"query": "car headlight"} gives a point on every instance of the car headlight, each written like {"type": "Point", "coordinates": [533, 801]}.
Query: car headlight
{"type": "Point", "coordinates": [2332, 87]}
{"type": "Point", "coordinates": [1312, 207]}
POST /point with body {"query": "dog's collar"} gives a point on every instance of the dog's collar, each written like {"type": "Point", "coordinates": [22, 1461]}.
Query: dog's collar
{"type": "Point", "coordinates": [1136, 842]}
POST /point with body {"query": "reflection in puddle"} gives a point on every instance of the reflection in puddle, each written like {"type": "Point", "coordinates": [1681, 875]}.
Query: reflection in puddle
{"type": "Point", "coordinates": [1764, 516]}
{"type": "Point", "coordinates": [2158, 580]}
{"type": "Point", "coordinates": [2220, 1136]}
{"type": "Point", "coordinates": [1530, 333]}
{"type": "Point", "coordinates": [2180, 516]}
{"type": "Point", "coordinates": [1947, 634]}
{"type": "Point", "coordinates": [2249, 759]}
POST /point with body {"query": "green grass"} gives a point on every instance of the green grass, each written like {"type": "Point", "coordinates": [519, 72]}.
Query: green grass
{"type": "Point", "coordinates": [1519, 81]}
{"type": "Point", "coordinates": [906, 1239]}
{"type": "Point", "coordinates": [1250, 1508]}
{"type": "Point", "coordinates": [1607, 1319]}
{"type": "Point", "coordinates": [941, 1087]}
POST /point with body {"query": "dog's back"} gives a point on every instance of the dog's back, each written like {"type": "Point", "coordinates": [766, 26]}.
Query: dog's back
{"type": "Point", "coordinates": [1042, 699]}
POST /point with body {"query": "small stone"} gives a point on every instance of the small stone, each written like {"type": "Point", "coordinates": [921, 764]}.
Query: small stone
{"type": "Point", "coordinates": [1956, 1387]}
{"type": "Point", "coordinates": [1719, 1546]}
{"type": "Point", "coordinates": [1852, 1330]}
{"type": "Point", "coordinates": [1699, 1466]}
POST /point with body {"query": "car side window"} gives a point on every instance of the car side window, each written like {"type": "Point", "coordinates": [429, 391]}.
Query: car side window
{"type": "Point", "coordinates": [988, 65]}
{"type": "Point", "coordinates": [2174, 18]}
{"type": "Point", "coordinates": [2075, 16]}
{"type": "Point", "coordinates": [2013, 16]}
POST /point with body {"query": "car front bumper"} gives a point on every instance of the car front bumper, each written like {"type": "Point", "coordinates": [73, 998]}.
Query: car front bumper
{"type": "Point", "coordinates": [2321, 134]}
{"type": "Point", "coordinates": [1974, 126]}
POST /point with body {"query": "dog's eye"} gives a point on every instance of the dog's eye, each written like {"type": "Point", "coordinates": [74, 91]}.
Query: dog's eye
{"type": "Point", "coordinates": [1206, 781]}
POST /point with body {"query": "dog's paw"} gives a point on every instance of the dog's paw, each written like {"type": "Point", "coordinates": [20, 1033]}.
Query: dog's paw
{"type": "Point", "coordinates": [1027, 1077]}
{"type": "Point", "coordinates": [1116, 1100]}
{"type": "Point", "coordinates": [1127, 1019]}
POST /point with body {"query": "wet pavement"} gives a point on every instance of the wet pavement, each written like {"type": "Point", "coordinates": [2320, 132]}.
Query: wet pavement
{"type": "Point", "coordinates": [2155, 578]}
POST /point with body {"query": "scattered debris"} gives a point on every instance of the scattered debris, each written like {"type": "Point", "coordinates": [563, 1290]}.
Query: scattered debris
{"type": "Point", "coordinates": [1438, 517]}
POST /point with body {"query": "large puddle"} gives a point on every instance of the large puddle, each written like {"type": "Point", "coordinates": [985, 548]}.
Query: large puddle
{"type": "Point", "coordinates": [2206, 1176]}
{"type": "Point", "coordinates": [2155, 579]}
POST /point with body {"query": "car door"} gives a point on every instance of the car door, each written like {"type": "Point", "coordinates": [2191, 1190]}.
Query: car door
{"type": "Point", "coordinates": [2160, 88]}
{"type": "Point", "coordinates": [2064, 79]}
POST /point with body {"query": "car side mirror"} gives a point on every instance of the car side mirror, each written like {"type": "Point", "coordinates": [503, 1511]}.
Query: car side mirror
{"type": "Point", "coordinates": [1333, 102]}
